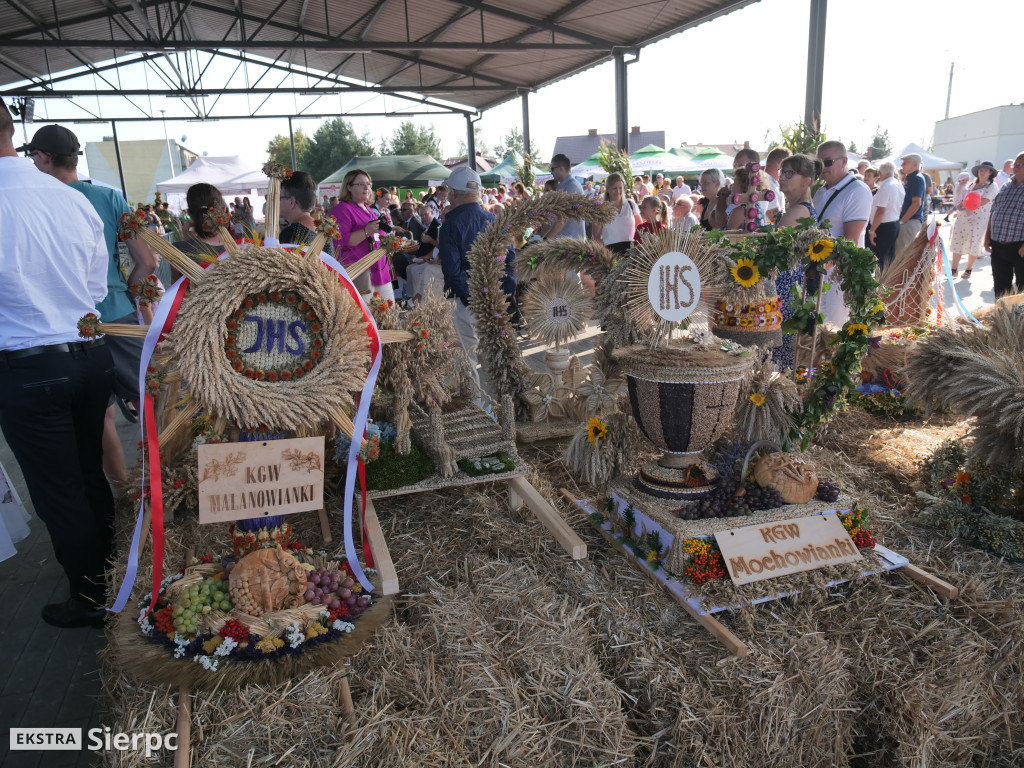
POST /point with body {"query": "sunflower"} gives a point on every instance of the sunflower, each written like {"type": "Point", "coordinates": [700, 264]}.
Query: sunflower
{"type": "Point", "coordinates": [757, 399]}
{"type": "Point", "coordinates": [820, 250]}
{"type": "Point", "coordinates": [854, 328]}
{"type": "Point", "coordinates": [596, 430]}
{"type": "Point", "coordinates": [745, 273]}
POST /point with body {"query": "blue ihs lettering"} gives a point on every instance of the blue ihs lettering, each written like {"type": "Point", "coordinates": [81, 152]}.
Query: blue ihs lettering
{"type": "Point", "coordinates": [293, 330]}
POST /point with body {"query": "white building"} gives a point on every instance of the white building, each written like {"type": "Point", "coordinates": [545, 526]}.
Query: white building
{"type": "Point", "coordinates": [992, 134]}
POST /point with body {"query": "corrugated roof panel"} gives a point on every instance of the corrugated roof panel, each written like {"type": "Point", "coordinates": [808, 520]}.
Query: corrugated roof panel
{"type": "Point", "coordinates": [529, 21]}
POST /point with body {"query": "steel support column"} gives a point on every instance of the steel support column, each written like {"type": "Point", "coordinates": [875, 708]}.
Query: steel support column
{"type": "Point", "coordinates": [815, 64]}
{"type": "Point", "coordinates": [470, 143]}
{"type": "Point", "coordinates": [621, 103]}
{"type": "Point", "coordinates": [120, 166]}
{"type": "Point", "coordinates": [526, 122]}
{"type": "Point", "coordinates": [291, 141]}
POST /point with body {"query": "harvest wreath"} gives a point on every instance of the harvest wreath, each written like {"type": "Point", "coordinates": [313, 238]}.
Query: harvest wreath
{"type": "Point", "coordinates": [773, 250]}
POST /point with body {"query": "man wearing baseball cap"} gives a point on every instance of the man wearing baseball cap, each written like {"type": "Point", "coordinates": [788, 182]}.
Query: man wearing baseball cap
{"type": "Point", "coordinates": [53, 385]}
{"type": "Point", "coordinates": [55, 151]}
{"type": "Point", "coordinates": [464, 220]}
{"type": "Point", "coordinates": [912, 212]}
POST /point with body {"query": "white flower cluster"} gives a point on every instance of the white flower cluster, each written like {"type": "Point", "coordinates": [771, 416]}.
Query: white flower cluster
{"type": "Point", "coordinates": [342, 626]}
{"type": "Point", "coordinates": [208, 662]}
{"type": "Point", "coordinates": [144, 624]}
{"type": "Point", "coordinates": [294, 636]}
{"type": "Point", "coordinates": [225, 648]}
{"type": "Point", "coordinates": [180, 642]}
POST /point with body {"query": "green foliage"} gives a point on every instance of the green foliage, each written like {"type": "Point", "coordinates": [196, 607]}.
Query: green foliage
{"type": "Point", "coordinates": [513, 141]}
{"type": "Point", "coordinates": [410, 139]}
{"type": "Point", "coordinates": [977, 501]}
{"type": "Point", "coordinates": [884, 404]}
{"type": "Point", "coordinates": [279, 150]}
{"type": "Point", "coordinates": [613, 160]}
{"type": "Point", "coordinates": [799, 138]}
{"type": "Point", "coordinates": [881, 144]}
{"type": "Point", "coordinates": [787, 246]}
{"type": "Point", "coordinates": [392, 470]}
{"type": "Point", "coordinates": [525, 173]}
{"type": "Point", "coordinates": [334, 144]}
{"type": "Point", "coordinates": [852, 148]}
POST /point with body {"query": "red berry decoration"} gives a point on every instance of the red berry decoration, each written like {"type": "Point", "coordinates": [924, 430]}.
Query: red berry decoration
{"type": "Point", "coordinates": [236, 630]}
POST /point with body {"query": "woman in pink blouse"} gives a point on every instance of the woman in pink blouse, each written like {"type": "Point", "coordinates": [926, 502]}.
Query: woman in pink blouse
{"type": "Point", "coordinates": [358, 227]}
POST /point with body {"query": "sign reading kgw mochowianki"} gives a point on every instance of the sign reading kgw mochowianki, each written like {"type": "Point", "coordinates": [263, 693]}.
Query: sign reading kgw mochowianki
{"type": "Point", "coordinates": [758, 552]}
{"type": "Point", "coordinates": [258, 479]}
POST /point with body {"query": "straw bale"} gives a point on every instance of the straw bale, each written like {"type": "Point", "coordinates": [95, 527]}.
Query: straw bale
{"type": "Point", "coordinates": [502, 651]}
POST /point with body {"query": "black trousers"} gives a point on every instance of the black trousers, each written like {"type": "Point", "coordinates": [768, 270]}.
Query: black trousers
{"type": "Point", "coordinates": [1007, 263]}
{"type": "Point", "coordinates": [51, 412]}
{"type": "Point", "coordinates": [885, 242]}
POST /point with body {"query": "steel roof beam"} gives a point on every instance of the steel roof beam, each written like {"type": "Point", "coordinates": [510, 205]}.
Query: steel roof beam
{"type": "Point", "coordinates": [540, 24]}
{"type": "Point", "coordinates": [347, 46]}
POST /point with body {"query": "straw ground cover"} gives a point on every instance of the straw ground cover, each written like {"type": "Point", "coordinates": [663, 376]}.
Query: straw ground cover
{"type": "Point", "coordinates": [503, 652]}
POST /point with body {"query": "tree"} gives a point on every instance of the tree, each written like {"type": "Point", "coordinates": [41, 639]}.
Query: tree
{"type": "Point", "coordinates": [881, 145]}
{"type": "Point", "coordinates": [799, 138]}
{"type": "Point", "coordinates": [334, 144]}
{"type": "Point", "coordinates": [852, 148]}
{"type": "Point", "coordinates": [410, 139]}
{"type": "Point", "coordinates": [279, 150]}
{"type": "Point", "coordinates": [614, 160]}
{"type": "Point", "coordinates": [525, 173]}
{"type": "Point", "coordinates": [513, 141]}
{"type": "Point", "coordinates": [478, 141]}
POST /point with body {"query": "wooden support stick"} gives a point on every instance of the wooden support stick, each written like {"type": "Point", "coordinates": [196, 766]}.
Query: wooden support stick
{"type": "Point", "coordinates": [922, 576]}
{"type": "Point", "coordinates": [347, 710]}
{"type": "Point", "coordinates": [548, 516]}
{"type": "Point", "coordinates": [147, 523]}
{"type": "Point", "coordinates": [733, 644]}
{"type": "Point", "coordinates": [183, 755]}
{"type": "Point", "coordinates": [325, 526]}
{"type": "Point", "coordinates": [381, 556]}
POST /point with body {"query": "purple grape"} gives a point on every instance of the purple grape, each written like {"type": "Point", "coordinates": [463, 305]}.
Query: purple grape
{"type": "Point", "coordinates": [335, 604]}
{"type": "Point", "coordinates": [310, 594]}
{"type": "Point", "coordinates": [344, 593]}
{"type": "Point", "coordinates": [348, 583]}
{"type": "Point", "coordinates": [350, 601]}
{"type": "Point", "coordinates": [362, 602]}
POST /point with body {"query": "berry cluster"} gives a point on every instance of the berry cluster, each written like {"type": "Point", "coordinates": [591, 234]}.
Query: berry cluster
{"type": "Point", "coordinates": [705, 568]}
{"type": "Point", "coordinates": [236, 630]}
{"type": "Point", "coordinates": [164, 621]}
{"type": "Point", "coordinates": [864, 539]}
{"type": "Point", "coordinates": [827, 491]}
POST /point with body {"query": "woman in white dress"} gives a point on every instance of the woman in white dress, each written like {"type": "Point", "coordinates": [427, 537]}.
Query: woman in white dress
{"type": "Point", "coordinates": [969, 228]}
{"type": "Point", "coordinates": [618, 233]}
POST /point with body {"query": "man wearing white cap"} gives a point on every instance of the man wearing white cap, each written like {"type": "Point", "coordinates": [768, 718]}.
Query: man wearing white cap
{"type": "Point", "coordinates": [912, 213]}
{"type": "Point", "coordinates": [464, 221]}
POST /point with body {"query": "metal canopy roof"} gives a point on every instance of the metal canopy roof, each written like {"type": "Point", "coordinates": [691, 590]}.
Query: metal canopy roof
{"type": "Point", "coordinates": [450, 55]}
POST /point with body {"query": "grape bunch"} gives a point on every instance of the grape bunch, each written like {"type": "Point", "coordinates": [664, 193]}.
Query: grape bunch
{"type": "Point", "coordinates": [729, 499]}
{"type": "Point", "coordinates": [331, 588]}
{"type": "Point", "coordinates": [198, 599]}
{"type": "Point", "coordinates": [762, 498]}
{"type": "Point", "coordinates": [827, 491]}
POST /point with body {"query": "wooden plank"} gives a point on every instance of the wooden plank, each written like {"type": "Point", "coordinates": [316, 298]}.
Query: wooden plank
{"type": "Point", "coordinates": [733, 644]}
{"type": "Point", "coordinates": [549, 518]}
{"type": "Point", "coordinates": [381, 556]}
{"type": "Point", "coordinates": [325, 526]}
{"type": "Point", "coordinates": [922, 576]}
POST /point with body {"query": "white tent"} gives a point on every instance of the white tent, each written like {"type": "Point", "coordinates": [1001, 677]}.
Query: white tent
{"type": "Point", "coordinates": [231, 175]}
{"type": "Point", "coordinates": [929, 160]}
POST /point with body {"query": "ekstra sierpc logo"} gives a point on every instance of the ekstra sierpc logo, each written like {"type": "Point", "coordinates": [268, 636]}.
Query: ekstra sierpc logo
{"type": "Point", "coordinates": [50, 739]}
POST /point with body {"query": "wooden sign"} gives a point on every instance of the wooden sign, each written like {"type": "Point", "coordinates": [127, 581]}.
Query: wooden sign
{"type": "Point", "coordinates": [674, 287]}
{"type": "Point", "coordinates": [259, 479]}
{"type": "Point", "coordinates": [758, 552]}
